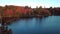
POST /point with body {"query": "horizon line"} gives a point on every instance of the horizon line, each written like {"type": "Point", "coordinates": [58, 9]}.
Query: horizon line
{"type": "Point", "coordinates": [30, 6]}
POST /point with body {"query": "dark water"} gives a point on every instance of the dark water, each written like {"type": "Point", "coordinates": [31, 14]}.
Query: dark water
{"type": "Point", "coordinates": [48, 25]}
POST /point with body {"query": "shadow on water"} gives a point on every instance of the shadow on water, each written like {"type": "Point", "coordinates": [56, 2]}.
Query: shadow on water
{"type": "Point", "coordinates": [36, 25]}
{"type": "Point", "coordinates": [27, 25]}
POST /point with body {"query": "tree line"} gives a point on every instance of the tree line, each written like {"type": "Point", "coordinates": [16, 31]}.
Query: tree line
{"type": "Point", "coordinates": [20, 11]}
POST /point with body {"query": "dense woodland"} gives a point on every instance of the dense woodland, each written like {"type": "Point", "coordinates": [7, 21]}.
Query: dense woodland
{"type": "Point", "coordinates": [16, 12]}
{"type": "Point", "coordinates": [20, 11]}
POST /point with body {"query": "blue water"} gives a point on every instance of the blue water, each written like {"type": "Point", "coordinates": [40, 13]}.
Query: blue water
{"type": "Point", "coordinates": [47, 25]}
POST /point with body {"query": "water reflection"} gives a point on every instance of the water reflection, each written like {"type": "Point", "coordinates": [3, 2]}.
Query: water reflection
{"type": "Point", "coordinates": [36, 25]}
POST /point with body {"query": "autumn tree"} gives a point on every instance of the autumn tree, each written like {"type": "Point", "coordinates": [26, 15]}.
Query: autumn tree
{"type": "Point", "coordinates": [1, 11]}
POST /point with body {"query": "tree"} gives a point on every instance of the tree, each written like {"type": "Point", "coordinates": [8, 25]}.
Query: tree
{"type": "Point", "coordinates": [1, 11]}
{"type": "Point", "coordinates": [40, 7]}
{"type": "Point", "coordinates": [26, 7]}
{"type": "Point", "coordinates": [51, 10]}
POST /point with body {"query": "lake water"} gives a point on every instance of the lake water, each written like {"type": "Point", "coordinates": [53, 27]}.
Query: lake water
{"type": "Point", "coordinates": [47, 25]}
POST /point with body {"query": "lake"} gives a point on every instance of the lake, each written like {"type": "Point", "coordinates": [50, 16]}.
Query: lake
{"type": "Point", "coordinates": [47, 25]}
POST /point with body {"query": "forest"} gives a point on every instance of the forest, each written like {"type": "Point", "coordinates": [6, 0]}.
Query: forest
{"type": "Point", "coordinates": [20, 11]}
{"type": "Point", "coordinates": [11, 12]}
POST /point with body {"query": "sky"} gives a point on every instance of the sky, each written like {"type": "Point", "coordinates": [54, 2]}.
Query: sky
{"type": "Point", "coordinates": [31, 3]}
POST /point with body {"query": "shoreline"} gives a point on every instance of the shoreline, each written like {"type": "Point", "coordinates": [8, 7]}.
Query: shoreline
{"type": "Point", "coordinates": [9, 20]}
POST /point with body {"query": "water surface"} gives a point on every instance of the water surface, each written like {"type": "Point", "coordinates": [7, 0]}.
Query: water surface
{"type": "Point", "coordinates": [47, 25]}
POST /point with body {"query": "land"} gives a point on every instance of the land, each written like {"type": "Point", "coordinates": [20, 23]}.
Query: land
{"type": "Point", "coordinates": [10, 13]}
